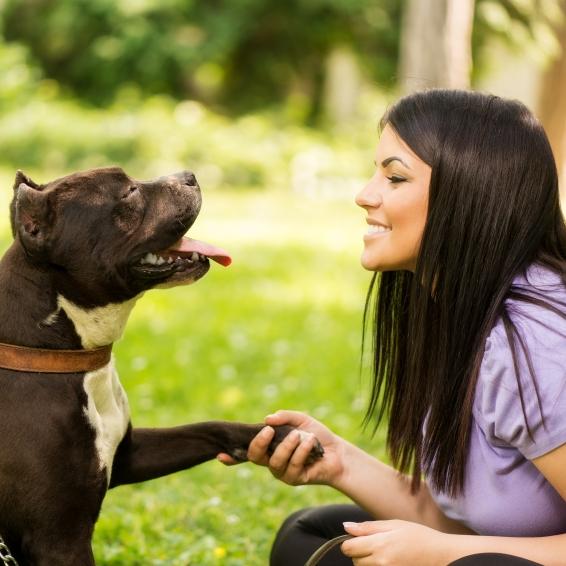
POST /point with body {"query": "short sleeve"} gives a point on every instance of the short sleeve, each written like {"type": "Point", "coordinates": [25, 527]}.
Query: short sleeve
{"type": "Point", "coordinates": [498, 408]}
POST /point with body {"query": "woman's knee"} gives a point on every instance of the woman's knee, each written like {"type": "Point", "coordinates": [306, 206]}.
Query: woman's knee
{"type": "Point", "coordinates": [303, 532]}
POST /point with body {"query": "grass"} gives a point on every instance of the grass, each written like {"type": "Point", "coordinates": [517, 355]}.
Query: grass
{"type": "Point", "coordinates": [280, 328]}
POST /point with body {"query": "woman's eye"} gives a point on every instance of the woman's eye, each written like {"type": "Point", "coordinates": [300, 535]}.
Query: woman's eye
{"type": "Point", "coordinates": [394, 179]}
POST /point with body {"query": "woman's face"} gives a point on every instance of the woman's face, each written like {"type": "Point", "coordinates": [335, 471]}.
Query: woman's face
{"type": "Point", "coordinates": [396, 201]}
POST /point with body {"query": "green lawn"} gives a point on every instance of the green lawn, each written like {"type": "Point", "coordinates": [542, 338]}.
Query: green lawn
{"type": "Point", "coordinates": [280, 328]}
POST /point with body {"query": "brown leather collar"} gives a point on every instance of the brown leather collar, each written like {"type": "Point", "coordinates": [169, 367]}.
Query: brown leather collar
{"type": "Point", "coordinates": [37, 360]}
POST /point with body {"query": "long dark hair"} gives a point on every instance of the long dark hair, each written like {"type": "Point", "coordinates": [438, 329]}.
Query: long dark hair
{"type": "Point", "coordinates": [493, 210]}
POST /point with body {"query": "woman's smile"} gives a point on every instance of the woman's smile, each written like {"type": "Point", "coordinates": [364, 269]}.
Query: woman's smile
{"type": "Point", "coordinates": [376, 230]}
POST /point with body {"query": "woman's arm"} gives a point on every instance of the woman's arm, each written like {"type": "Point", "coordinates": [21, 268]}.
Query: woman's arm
{"type": "Point", "coordinates": [396, 541]}
{"type": "Point", "coordinates": [385, 493]}
{"type": "Point", "coordinates": [404, 543]}
{"type": "Point", "coordinates": [378, 488]}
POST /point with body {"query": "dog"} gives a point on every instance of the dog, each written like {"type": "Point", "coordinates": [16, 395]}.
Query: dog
{"type": "Point", "coordinates": [86, 248]}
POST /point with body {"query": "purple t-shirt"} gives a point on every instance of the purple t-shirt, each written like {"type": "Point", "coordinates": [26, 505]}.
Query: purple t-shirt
{"type": "Point", "coordinates": [504, 493]}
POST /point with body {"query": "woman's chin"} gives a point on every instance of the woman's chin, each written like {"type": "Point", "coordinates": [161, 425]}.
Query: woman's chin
{"type": "Point", "coordinates": [370, 263]}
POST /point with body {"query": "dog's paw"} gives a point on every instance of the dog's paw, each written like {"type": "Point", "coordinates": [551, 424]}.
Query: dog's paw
{"type": "Point", "coordinates": [283, 430]}
{"type": "Point", "coordinates": [240, 435]}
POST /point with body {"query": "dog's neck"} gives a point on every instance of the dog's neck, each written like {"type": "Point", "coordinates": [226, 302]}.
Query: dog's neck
{"type": "Point", "coordinates": [98, 326]}
{"type": "Point", "coordinates": [35, 315]}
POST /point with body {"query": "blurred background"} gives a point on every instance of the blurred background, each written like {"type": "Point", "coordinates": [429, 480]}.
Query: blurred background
{"type": "Point", "coordinates": [255, 93]}
{"type": "Point", "coordinates": [274, 105]}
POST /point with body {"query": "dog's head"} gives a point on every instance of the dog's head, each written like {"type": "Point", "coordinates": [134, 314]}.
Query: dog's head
{"type": "Point", "coordinates": [107, 237]}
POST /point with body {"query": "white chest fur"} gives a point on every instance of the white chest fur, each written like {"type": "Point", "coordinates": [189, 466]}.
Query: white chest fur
{"type": "Point", "coordinates": [107, 408]}
{"type": "Point", "coordinates": [107, 411]}
{"type": "Point", "coordinates": [99, 326]}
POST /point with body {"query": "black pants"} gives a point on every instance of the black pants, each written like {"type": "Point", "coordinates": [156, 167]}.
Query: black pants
{"type": "Point", "coordinates": [306, 530]}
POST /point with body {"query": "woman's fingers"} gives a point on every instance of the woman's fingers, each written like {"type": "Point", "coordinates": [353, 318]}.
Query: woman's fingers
{"type": "Point", "coordinates": [371, 527]}
{"type": "Point", "coordinates": [297, 463]}
{"type": "Point", "coordinates": [365, 561]}
{"type": "Point", "coordinates": [303, 422]}
{"type": "Point", "coordinates": [358, 547]}
{"type": "Point", "coordinates": [293, 418]}
{"type": "Point", "coordinates": [288, 461]}
{"type": "Point", "coordinates": [257, 450]}
{"type": "Point", "coordinates": [280, 459]}
{"type": "Point", "coordinates": [226, 459]}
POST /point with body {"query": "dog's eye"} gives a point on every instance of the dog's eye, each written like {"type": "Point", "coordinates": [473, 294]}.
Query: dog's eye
{"type": "Point", "coordinates": [130, 190]}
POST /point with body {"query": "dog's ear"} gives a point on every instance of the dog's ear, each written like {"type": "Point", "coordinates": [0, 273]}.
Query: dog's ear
{"type": "Point", "coordinates": [21, 177]}
{"type": "Point", "coordinates": [30, 218]}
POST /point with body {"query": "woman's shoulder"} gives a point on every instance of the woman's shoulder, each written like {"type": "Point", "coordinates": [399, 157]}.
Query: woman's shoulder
{"type": "Point", "coordinates": [536, 308]}
{"type": "Point", "coordinates": [539, 278]}
{"type": "Point", "coordinates": [529, 379]}
{"type": "Point", "coordinates": [536, 305]}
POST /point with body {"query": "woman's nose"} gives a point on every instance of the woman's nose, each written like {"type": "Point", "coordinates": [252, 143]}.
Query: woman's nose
{"type": "Point", "coordinates": [369, 195]}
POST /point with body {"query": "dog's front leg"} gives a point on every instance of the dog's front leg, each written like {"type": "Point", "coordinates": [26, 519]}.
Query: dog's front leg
{"type": "Point", "coordinates": [147, 453]}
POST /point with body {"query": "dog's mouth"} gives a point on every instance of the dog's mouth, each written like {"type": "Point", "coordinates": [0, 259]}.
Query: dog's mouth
{"type": "Point", "coordinates": [185, 261]}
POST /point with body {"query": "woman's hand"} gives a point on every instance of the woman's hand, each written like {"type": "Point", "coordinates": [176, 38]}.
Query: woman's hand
{"type": "Point", "coordinates": [395, 543]}
{"type": "Point", "coordinates": [288, 462]}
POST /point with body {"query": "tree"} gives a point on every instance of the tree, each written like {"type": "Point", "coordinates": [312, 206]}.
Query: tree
{"type": "Point", "coordinates": [436, 44]}
{"type": "Point", "coordinates": [552, 102]}
{"type": "Point", "coordinates": [237, 55]}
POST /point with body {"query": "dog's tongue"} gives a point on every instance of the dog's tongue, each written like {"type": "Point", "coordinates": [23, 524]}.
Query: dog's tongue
{"type": "Point", "coordinates": [188, 245]}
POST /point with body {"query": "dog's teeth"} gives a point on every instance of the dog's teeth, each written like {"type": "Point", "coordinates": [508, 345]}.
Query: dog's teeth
{"type": "Point", "coordinates": [160, 261]}
{"type": "Point", "coordinates": [169, 260]}
{"type": "Point", "coordinates": [148, 258]}
{"type": "Point", "coordinates": [195, 256]}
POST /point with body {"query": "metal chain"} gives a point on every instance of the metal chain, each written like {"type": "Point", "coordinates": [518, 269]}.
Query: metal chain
{"type": "Point", "coordinates": [5, 557]}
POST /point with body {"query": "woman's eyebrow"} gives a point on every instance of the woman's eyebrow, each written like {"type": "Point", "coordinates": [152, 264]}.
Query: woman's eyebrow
{"type": "Point", "coordinates": [387, 161]}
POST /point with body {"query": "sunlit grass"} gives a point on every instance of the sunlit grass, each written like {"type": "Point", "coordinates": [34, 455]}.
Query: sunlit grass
{"type": "Point", "coordinates": [280, 328]}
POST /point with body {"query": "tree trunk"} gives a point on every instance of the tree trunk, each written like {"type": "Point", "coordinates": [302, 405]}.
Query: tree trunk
{"type": "Point", "coordinates": [342, 86]}
{"type": "Point", "coordinates": [436, 44]}
{"type": "Point", "coordinates": [552, 102]}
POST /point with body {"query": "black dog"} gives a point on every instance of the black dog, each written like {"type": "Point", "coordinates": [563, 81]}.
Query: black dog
{"type": "Point", "coordinates": [86, 247]}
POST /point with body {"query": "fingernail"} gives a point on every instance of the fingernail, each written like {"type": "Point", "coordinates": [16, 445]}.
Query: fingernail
{"type": "Point", "coordinates": [348, 525]}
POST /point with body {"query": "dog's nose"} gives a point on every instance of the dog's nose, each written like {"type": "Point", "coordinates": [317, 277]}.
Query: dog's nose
{"type": "Point", "coordinates": [187, 178]}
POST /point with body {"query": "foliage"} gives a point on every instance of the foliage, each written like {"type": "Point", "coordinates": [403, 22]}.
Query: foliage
{"type": "Point", "coordinates": [280, 328]}
{"type": "Point", "coordinates": [236, 55]}
{"type": "Point", "coordinates": [160, 135]}
{"type": "Point", "coordinates": [525, 25]}
{"type": "Point", "coordinates": [241, 54]}
{"type": "Point", "coordinates": [18, 77]}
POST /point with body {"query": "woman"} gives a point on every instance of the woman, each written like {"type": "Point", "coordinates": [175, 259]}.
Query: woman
{"type": "Point", "coordinates": [469, 336]}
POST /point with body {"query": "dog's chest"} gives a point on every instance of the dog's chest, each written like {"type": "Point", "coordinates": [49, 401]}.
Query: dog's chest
{"type": "Point", "coordinates": [107, 411]}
